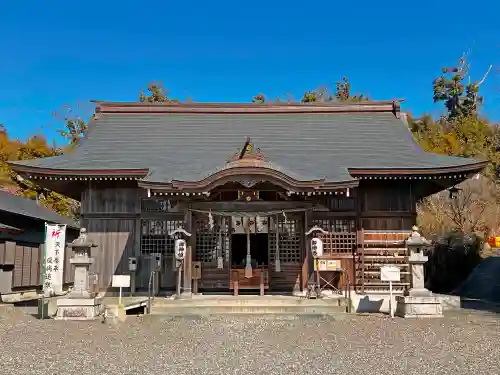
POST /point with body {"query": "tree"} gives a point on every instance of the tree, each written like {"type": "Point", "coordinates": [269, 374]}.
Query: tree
{"type": "Point", "coordinates": [34, 147]}
{"type": "Point", "coordinates": [461, 99]}
{"type": "Point", "coordinates": [259, 99]}
{"type": "Point", "coordinates": [342, 94]}
{"type": "Point", "coordinates": [462, 132]}
{"type": "Point", "coordinates": [73, 118]}
{"type": "Point", "coordinates": [156, 93]}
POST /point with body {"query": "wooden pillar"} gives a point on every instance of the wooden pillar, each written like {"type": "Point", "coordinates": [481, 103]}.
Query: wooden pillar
{"type": "Point", "coordinates": [360, 244]}
{"type": "Point", "coordinates": [186, 265]}
{"type": "Point", "coordinates": [305, 247]}
{"type": "Point", "coordinates": [361, 253]}
{"type": "Point", "coordinates": [262, 280]}
{"type": "Point", "coordinates": [235, 281]}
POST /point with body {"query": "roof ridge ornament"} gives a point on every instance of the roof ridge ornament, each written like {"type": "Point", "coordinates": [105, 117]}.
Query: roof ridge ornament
{"type": "Point", "coordinates": [248, 152]}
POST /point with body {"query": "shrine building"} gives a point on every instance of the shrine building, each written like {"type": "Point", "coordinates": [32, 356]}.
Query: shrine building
{"type": "Point", "coordinates": [249, 182]}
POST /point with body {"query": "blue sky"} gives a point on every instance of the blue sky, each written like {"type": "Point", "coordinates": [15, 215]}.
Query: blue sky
{"type": "Point", "coordinates": [55, 52]}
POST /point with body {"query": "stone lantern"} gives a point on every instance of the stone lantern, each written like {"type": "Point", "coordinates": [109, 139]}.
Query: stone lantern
{"type": "Point", "coordinates": [418, 301]}
{"type": "Point", "coordinates": [80, 304]}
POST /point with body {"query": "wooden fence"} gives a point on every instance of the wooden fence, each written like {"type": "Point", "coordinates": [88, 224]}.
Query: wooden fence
{"type": "Point", "coordinates": [25, 263]}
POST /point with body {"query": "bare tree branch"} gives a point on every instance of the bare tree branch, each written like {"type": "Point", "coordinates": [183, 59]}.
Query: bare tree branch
{"type": "Point", "coordinates": [485, 75]}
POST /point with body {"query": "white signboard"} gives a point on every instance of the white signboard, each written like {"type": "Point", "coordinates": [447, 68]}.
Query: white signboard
{"type": "Point", "coordinates": [55, 243]}
{"type": "Point", "coordinates": [389, 273]}
{"type": "Point", "coordinates": [121, 281]}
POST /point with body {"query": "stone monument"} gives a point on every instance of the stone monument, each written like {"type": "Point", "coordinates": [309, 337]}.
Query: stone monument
{"type": "Point", "coordinates": [80, 303]}
{"type": "Point", "coordinates": [418, 301]}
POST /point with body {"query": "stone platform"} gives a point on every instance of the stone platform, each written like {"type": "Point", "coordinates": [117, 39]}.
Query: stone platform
{"type": "Point", "coordinates": [419, 307]}
{"type": "Point", "coordinates": [248, 305]}
{"type": "Point", "coordinates": [78, 308]}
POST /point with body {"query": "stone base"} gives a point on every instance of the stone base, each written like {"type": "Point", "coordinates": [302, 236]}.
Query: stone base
{"type": "Point", "coordinates": [78, 308]}
{"type": "Point", "coordinates": [418, 307]}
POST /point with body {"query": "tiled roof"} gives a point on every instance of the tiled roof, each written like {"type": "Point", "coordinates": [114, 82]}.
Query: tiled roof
{"type": "Point", "coordinates": [26, 207]}
{"type": "Point", "coordinates": [187, 146]}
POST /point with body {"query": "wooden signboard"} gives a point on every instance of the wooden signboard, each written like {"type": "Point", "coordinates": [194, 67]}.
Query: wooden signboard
{"type": "Point", "coordinates": [324, 264]}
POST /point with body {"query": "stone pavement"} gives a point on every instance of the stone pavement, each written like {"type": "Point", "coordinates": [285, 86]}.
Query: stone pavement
{"type": "Point", "coordinates": [461, 343]}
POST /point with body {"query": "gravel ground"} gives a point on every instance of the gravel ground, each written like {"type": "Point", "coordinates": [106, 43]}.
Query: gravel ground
{"type": "Point", "coordinates": [461, 343]}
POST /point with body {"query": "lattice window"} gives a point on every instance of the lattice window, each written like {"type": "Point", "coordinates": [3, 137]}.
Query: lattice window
{"type": "Point", "coordinates": [338, 242]}
{"type": "Point", "coordinates": [341, 237]}
{"type": "Point", "coordinates": [290, 240]}
{"type": "Point", "coordinates": [336, 225]}
{"type": "Point", "coordinates": [155, 237]}
{"type": "Point", "coordinates": [212, 243]}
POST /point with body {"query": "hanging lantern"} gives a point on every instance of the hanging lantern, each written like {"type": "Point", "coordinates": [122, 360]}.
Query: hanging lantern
{"type": "Point", "coordinates": [454, 192]}
{"type": "Point", "coordinates": [210, 221]}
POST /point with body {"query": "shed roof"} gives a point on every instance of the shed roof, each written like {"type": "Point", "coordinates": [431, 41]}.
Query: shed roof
{"type": "Point", "coordinates": [188, 142]}
{"type": "Point", "coordinates": [9, 228]}
{"type": "Point", "coordinates": [15, 204]}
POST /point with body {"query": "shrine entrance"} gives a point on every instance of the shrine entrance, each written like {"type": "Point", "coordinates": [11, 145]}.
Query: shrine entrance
{"type": "Point", "coordinates": [249, 253]}
{"type": "Point", "coordinates": [259, 250]}
{"type": "Point", "coordinates": [250, 247]}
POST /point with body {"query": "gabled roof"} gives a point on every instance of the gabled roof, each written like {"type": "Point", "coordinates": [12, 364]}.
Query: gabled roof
{"type": "Point", "coordinates": [187, 142]}
{"type": "Point", "coordinates": [15, 204]}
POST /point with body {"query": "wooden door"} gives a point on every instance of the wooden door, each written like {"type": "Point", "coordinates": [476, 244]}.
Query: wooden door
{"type": "Point", "coordinates": [286, 232]}
{"type": "Point", "coordinates": [210, 244]}
{"type": "Point", "coordinates": [155, 239]}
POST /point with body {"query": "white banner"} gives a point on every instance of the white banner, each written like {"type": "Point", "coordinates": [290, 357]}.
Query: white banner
{"type": "Point", "coordinates": [55, 243]}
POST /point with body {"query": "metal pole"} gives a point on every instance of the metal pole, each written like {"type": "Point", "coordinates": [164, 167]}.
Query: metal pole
{"type": "Point", "coordinates": [42, 313]}
{"type": "Point", "coordinates": [179, 279]}
{"type": "Point", "coordinates": [132, 283]}
{"type": "Point", "coordinates": [390, 300]}
{"type": "Point", "coordinates": [318, 284]}
{"type": "Point", "coordinates": [149, 291]}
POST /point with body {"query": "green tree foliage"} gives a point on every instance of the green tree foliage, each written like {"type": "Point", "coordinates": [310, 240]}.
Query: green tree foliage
{"type": "Point", "coordinates": [461, 99]}
{"type": "Point", "coordinates": [259, 99]}
{"type": "Point", "coordinates": [73, 119]}
{"type": "Point", "coordinates": [461, 132]}
{"type": "Point", "coordinates": [156, 94]}
{"type": "Point", "coordinates": [75, 130]}
{"type": "Point", "coordinates": [342, 93]}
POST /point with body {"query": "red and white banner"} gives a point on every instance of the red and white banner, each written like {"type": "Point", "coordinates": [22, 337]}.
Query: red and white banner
{"type": "Point", "coordinates": [55, 243]}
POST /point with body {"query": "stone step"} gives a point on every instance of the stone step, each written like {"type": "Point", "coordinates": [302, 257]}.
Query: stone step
{"type": "Point", "coordinates": [249, 302]}
{"type": "Point", "coordinates": [248, 310]}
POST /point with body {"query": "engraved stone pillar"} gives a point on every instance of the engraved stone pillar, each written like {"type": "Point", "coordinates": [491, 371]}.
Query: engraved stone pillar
{"type": "Point", "coordinates": [418, 301]}
{"type": "Point", "coordinates": [80, 303]}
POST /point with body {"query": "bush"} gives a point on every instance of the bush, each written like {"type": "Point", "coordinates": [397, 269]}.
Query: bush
{"type": "Point", "coordinates": [451, 259]}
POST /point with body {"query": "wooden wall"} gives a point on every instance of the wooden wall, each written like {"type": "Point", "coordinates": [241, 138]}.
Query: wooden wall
{"type": "Point", "coordinates": [386, 205]}
{"type": "Point", "coordinates": [111, 214]}
{"type": "Point", "coordinates": [21, 267]}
